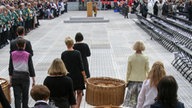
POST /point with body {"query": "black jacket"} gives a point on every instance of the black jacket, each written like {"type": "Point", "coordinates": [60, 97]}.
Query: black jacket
{"type": "Point", "coordinates": [28, 47]}
{"type": "Point", "coordinates": [158, 104]}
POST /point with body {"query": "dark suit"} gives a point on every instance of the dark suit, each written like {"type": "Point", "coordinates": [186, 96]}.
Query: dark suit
{"type": "Point", "coordinates": [158, 104]}
{"type": "Point", "coordinates": [41, 105]}
{"type": "Point", "coordinates": [28, 47]}
{"type": "Point", "coordinates": [3, 99]}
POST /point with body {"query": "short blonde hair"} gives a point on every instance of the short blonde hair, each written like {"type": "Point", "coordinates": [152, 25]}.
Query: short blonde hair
{"type": "Point", "coordinates": [57, 68]}
{"type": "Point", "coordinates": [69, 42]}
{"type": "Point", "coordinates": [157, 73]}
{"type": "Point", "coordinates": [139, 46]}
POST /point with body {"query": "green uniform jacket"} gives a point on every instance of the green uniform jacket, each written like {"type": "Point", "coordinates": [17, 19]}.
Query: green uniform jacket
{"type": "Point", "coordinates": [15, 18]}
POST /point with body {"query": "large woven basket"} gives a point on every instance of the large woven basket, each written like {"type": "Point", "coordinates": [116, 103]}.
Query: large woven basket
{"type": "Point", "coordinates": [5, 87]}
{"type": "Point", "coordinates": [108, 106]}
{"type": "Point", "coordinates": [105, 91]}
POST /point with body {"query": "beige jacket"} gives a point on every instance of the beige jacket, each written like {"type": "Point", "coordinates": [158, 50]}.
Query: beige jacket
{"type": "Point", "coordinates": [138, 68]}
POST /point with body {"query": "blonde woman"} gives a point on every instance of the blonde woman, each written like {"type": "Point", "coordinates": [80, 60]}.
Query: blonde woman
{"type": "Point", "coordinates": [74, 64]}
{"type": "Point", "coordinates": [137, 71]}
{"type": "Point", "coordinates": [148, 91]}
{"type": "Point", "coordinates": [60, 85]}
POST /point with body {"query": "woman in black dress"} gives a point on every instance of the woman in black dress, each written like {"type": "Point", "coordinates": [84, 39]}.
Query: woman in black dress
{"type": "Point", "coordinates": [60, 85]}
{"type": "Point", "coordinates": [84, 50]}
{"type": "Point", "coordinates": [73, 62]}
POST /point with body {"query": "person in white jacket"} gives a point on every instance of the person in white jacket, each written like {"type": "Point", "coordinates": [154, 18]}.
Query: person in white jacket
{"type": "Point", "coordinates": [148, 91]}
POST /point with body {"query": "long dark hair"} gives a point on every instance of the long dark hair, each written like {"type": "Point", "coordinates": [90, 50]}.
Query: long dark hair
{"type": "Point", "coordinates": [167, 92]}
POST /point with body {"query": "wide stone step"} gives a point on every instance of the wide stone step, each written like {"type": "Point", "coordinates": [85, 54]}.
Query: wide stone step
{"type": "Point", "coordinates": [86, 20]}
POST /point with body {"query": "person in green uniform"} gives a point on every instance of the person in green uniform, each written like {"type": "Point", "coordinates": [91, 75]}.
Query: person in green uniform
{"type": "Point", "coordinates": [24, 16]}
{"type": "Point", "coordinates": [19, 12]}
{"type": "Point", "coordinates": [6, 24]}
{"type": "Point", "coordinates": [9, 19]}
{"type": "Point", "coordinates": [1, 27]}
{"type": "Point", "coordinates": [29, 16]}
{"type": "Point", "coordinates": [15, 20]}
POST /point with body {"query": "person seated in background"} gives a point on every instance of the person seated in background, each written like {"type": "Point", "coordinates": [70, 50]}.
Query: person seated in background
{"type": "Point", "coordinates": [148, 91]}
{"type": "Point", "coordinates": [40, 94]}
{"type": "Point", "coordinates": [167, 94]}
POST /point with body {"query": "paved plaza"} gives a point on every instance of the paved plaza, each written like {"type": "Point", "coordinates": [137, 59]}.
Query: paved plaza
{"type": "Point", "coordinates": [110, 43]}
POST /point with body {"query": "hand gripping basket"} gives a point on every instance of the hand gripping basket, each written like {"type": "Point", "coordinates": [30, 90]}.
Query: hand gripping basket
{"type": "Point", "coordinates": [5, 87]}
{"type": "Point", "coordinates": [105, 91]}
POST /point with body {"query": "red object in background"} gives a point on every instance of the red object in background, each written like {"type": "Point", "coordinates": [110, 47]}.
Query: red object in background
{"type": "Point", "coordinates": [115, 0]}
{"type": "Point", "coordinates": [83, 0]}
{"type": "Point", "coordinates": [104, 1]}
{"type": "Point", "coordinates": [130, 2]}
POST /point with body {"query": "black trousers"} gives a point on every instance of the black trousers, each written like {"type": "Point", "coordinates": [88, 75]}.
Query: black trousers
{"type": "Point", "coordinates": [5, 37]}
{"type": "Point", "coordinates": [21, 93]}
{"type": "Point", "coordinates": [1, 40]}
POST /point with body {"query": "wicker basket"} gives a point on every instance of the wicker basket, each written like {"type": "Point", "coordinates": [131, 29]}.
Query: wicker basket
{"type": "Point", "coordinates": [5, 87]}
{"type": "Point", "coordinates": [105, 91]}
{"type": "Point", "coordinates": [108, 106]}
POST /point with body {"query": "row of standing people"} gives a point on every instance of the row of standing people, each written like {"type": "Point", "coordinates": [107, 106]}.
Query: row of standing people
{"type": "Point", "coordinates": [66, 84]}
{"type": "Point", "coordinates": [67, 76]}
{"type": "Point", "coordinates": [160, 8]}
{"type": "Point", "coordinates": [149, 89]}
{"type": "Point", "coordinates": [155, 91]}
{"type": "Point", "coordinates": [22, 13]}
{"type": "Point", "coordinates": [50, 9]}
{"type": "Point", "coordinates": [171, 7]}
{"type": "Point", "coordinates": [14, 15]}
{"type": "Point", "coordinates": [133, 6]}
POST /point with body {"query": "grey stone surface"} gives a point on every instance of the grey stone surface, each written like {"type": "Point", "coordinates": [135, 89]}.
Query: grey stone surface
{"type": "Point", "coordinates": [73, 6]}
{"type": "Point", "coordinates": [111, 44]}
{"type": "Point", "coordinates": [86, 20]}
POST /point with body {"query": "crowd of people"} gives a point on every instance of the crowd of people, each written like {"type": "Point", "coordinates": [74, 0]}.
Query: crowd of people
{"type": "Point", "coordinates": [160, 7]}
{"type": "Point", "coordinates": [14, 13]}
{"type": "Point", "coordinates": [171, 7]}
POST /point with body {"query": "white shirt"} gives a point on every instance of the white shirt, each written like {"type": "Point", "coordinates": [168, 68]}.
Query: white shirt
{"type": "Point", "coordinates": [147, 95]}
{"type": "Point", "coordinates": [42, 101]}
